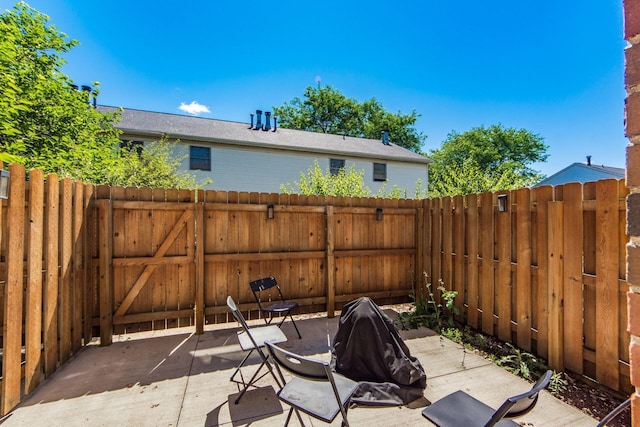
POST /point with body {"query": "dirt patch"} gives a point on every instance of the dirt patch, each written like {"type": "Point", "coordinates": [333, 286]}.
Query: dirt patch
{"type": "Point", "coordinates": [591, 399]}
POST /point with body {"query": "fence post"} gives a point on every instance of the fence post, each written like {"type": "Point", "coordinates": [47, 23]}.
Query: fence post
{"type": "Point", "coordinates": [105, 212]}
{"type": "Point", "coordinates": [33, 304]}
{"type": "Point", "coordinates": [573, 261]}
{"type": "Point", "coordinates": [13, 293]}
{"type": "Point", "coordinates": [607, 287]}
{"type": "Point", "coordinates": [420, 239]}
{"type": "Point", "coordinates": [52, 285]}
{"type": "Point", "coordinates": [331, 274]}
{"type": "Point", "coordinates": [555, 286]}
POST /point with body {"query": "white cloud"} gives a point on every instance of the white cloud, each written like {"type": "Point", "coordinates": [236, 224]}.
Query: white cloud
{"type": "Point", "coordinates": [195, 108]}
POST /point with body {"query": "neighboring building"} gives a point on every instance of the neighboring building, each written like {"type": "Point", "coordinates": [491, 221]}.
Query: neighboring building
{"type": "Point", "coordinates": [260, 157]}
{"type": "Point", "coordinates": [582, 172]}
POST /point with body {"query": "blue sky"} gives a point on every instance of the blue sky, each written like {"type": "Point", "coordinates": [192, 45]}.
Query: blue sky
{"type": "Point", "coordinates": [554, 67]}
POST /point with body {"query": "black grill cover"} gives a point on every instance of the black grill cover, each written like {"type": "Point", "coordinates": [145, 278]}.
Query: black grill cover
{"type": "Point", "coordinates": [367, 348]}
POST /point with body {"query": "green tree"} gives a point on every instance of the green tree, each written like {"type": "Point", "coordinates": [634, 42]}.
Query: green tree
{"type": "Point", "coordinates": [327, 110]}
{"type": "Point", "coordinates": [485, 159]}
{"type": "Point", "coordinates": [155, 166]}
{"type": "Point", "coordinates": [47, 124]}
{"type": "Point", "coordinates": [43, 120]}
{"type": "Point", "coordinates": [347, 183]}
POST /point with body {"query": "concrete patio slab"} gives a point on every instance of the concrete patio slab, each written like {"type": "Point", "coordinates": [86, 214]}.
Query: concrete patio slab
{"type": "Point", "coordinates": [177, 378]}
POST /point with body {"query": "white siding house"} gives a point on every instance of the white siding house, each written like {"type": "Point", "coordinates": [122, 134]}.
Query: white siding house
{"type": "Point", "coordinates": [582, 172]}
{"type": "Point", "coordinates": [239, 157]}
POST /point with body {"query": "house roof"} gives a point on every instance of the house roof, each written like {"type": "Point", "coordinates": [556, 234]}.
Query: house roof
{"type": "Point", "coordinates": [148, 123]}
{"type": "Point", "coordinates": [580, 172]}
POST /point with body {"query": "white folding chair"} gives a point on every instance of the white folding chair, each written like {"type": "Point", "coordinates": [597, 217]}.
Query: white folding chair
{"type": "Point", "coordinates": [253, 339]}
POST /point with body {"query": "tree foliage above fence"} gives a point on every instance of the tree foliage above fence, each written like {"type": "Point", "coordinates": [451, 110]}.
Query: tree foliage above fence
{"type": "Point", "coordinates": [46, 123]}
{"type": "Point", "coordinates": [486, 159]}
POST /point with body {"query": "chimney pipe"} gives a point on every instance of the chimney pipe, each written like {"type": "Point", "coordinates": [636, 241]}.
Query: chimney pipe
{"type": "Point", "coordinates": [258, 120]}
{"type": "Point", "coordinates": [94, 98]}
{"type": "Point", "coordinates": [251, 127]}
{"type": "Point", "coordinates": [588, 160]}
{"type": "Point", "coordinates": [87, 90]}
{"type": "Point", "coordinates": [267, 120]}
{"type": "Point", "coordinates": [275, 123]}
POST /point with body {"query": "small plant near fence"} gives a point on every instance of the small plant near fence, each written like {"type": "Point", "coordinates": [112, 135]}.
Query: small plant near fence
{"type": "Point", "coordinates": [427, 311]}
{"type": "Point", "coordinates": [440, 317]}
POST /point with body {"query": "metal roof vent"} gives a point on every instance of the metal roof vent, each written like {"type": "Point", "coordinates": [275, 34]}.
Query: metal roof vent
{"type": "Point", "coordinates": [258, 120]}
{"type": "Point", "coordinates": [267, 121]}
{"type": "Point", "coordinates": [385, 137]}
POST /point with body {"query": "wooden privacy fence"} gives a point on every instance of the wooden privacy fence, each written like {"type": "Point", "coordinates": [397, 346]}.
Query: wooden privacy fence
{"type": "Point", "coordinates": [78, 262]}
{"type": "Point", "coordinates": [175, 256]}
{"type": "Point", "coordinates": [547, 274]}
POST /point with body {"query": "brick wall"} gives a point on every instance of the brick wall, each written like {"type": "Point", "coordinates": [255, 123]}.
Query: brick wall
{"type": "Point", "coordinates": [632, 130]}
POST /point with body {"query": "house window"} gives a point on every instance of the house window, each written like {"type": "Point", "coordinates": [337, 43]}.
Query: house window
{"type": "Point", "coordinates": [199, 158]}
{"type": "Point", "coordinates": [379, 171]}
{"type": "Point", "coordinates": [136, 146]}
{"type": "Point", "coordinates": [335, 165]}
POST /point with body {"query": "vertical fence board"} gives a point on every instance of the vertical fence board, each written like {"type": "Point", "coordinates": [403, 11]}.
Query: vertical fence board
{"type": "Point", "coordinates": [447, 246]}
{"type": "Point", "coordinates": [199, 268]}
{"type": "Point", "coordinates": [88, 283]}
{"type": "Point", "coordinates": [79, 279]}
{"type": "Point", "coordinates": [523, 269]}
{"type": "Point", "coordinates": [105, 212]}
{"type": "Point", "coordinates": [572, 292]}
{"type": "Point", "coordinates": [66, 255]}
{"type": "Point", "coordinates": [607, 288]}
{"type": "Point", "coordinates": [503, 277]}
{"type": "Point", "coordinates": [33, 307]}
{"type": "Point", "coordinates": [472, 235]}
{"type": "Point", "coordinates": [331, 285]}
{"type": "Point", "coordinates": [542, 196]}
{"type": "Point", "coordinates": [458, 275]}
{"type": "Point", "coordinates": [13, 293]}
{"type": "Point", "coordinates": [555, 286]}
{"type": "Point", "coordinates": [50, 325]}
{"type": "Point", "coordinates": [487, 273]}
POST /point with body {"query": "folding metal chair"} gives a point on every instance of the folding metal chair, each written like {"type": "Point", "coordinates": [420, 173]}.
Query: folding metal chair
{"type": "Point", "coordinates": [460, 409]}
{"type": "Point", "coordinates": [314, 389]}
{"type": "Point", "coordinates": [254, 339]}
{"type": "Point", "coordinates": [281, 307]}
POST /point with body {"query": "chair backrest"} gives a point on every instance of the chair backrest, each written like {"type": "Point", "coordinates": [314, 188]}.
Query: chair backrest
{"type": "Point", "coordinates": [521, 403]}
{"type": "Point", "coordinates": [298, 365]}
{"type": "Point", "coordinates": [263, 284]}
{"type": "Point", "coordinates": [237, 314]}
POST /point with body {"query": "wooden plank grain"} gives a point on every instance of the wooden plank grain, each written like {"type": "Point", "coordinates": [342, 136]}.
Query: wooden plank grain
{"type": "Point", "coordinates": [66, 256]}
{"type": "Point", "coordinates": [13, 295]}
{"type": "Point", "coordinates": [487, 272]}
{"type": "Point", "coordinates": [50, 314]}
{"type": "Point", "coordinates": [33, 306]}
{"type": "Point", "coordinates": [471, 237]}
{"type": "Point", "coordinates": [542, 196]}
{"type": "Point", "coordinates": [503, 285]}
{"type": "Point", "coordinates": [79, 278]}
{"type": "Point", "coordinates": [607, 307]}
{"type": "Point", "coordinates": [572, 277]}
{"type": "Point", "coordinates": [523, 269]}
{"type": "Point", "coordinates": [458, 283]}
{"type": "Point", "coordinates": [555, 287]}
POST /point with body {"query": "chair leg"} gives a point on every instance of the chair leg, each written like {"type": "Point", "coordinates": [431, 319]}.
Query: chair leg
{"type": "Point", "coordinates": [238, 368]}
{"type": "Point", "coordinates": [295, 326]}
{"type": "Point", "coordinates": [255, 377]}
{"type": "Point", "coordinates": [285, 318]}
